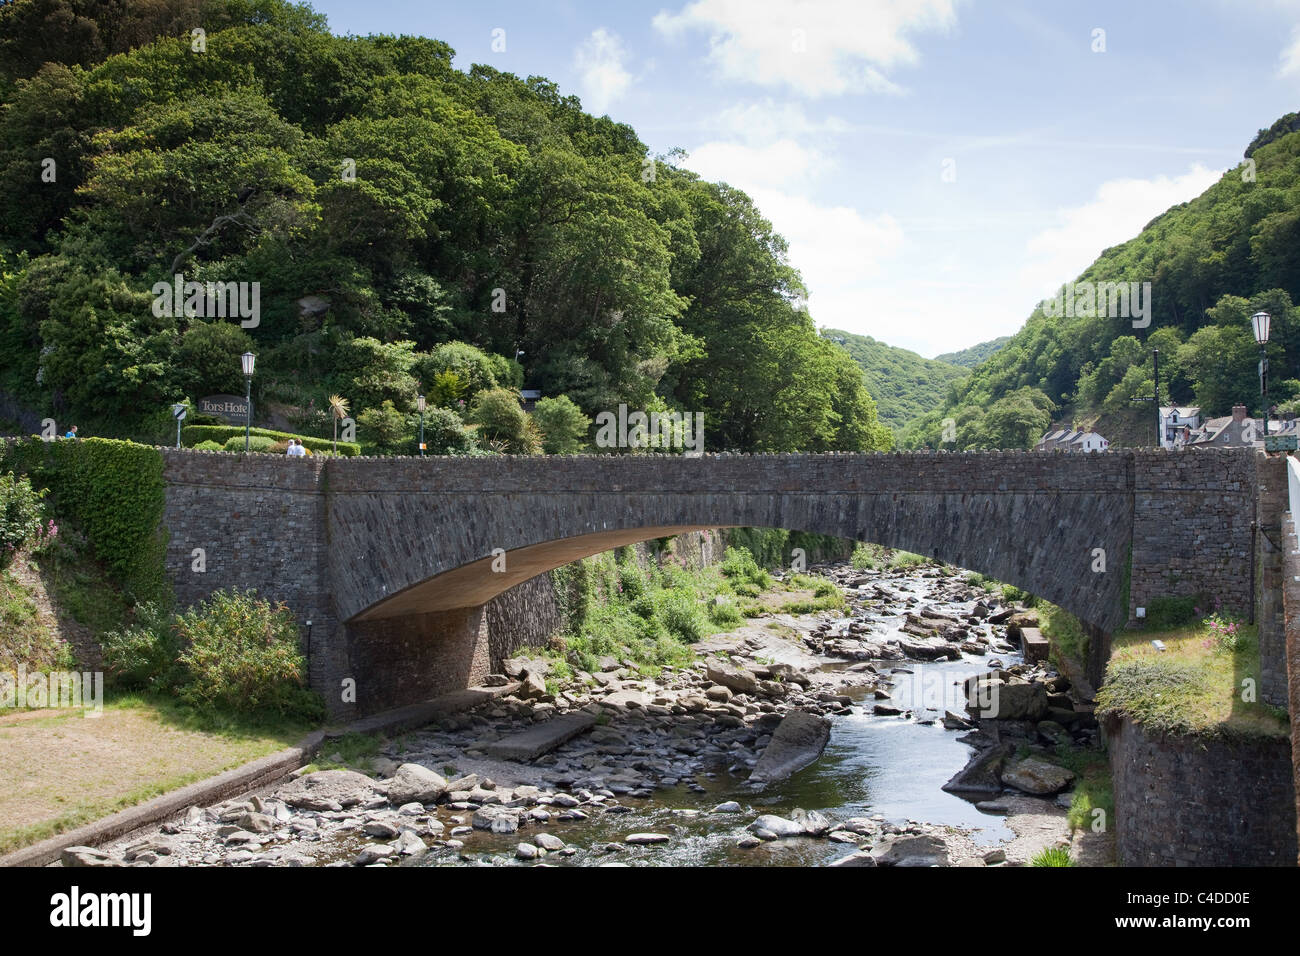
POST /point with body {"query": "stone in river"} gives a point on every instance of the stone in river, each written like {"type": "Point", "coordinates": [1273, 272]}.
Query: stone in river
{"type": "Point", "coordinates": [981, 775]}
{"type": "Point", "coordinates": [777, 826]}
{"type": "Point", "coordinates": [797, 741]}
{"type": "Point", "coordinates": [328, 790]}
{"type": "Point", "coordinates": [861, 858]}
{"type": "Point", "coordinates": [540, 738]}
{"type": "Point", "coordinates": [413, 783]}
{"type": "Point", "coordinates": [731, 806]}
{"type": "Point", "coordinates": [1037, 777]}
{"type": "Point", "coordinates": [548, 842]}
{"type": "Point", "coordinates": [373, 854]}
{"type": "Point", "coordinates": [647, 838]}
{"type": "Point", "coordinates": [924, 850]}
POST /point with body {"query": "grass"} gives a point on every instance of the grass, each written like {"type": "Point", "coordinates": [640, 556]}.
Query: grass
{"type": "Point", "coordinates": [877, 557]}
{"type": "Point", "coordinates": [1053, 856]}
{"type": "Point", "coordinates": [1194, 687]}
{"type": "Point", "coordinates": [63, 769]}
{"type": "Point", "coordinates": [351, 751]}
{"type": "Point", "coordinates": [1065, 635]}
{"type": "Point", "coordinates": [654, 614]}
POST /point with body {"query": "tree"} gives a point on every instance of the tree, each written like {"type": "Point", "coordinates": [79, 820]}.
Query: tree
{"type": "Point", "coordinates": [503, 423]}
{"type": "Point", "coordinates": [562, 424]}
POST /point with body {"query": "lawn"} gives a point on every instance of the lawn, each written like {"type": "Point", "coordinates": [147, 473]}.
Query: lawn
{"type": "Point", "coordinates": [1194, 686]}
{"type": "Point", "coordinates": [63, 769]}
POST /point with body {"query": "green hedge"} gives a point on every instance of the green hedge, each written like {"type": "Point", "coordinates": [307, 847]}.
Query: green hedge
{"type": "Point", "coordinates": [191, 435]}
{"type": "Point", "coordinates": [114, 491]}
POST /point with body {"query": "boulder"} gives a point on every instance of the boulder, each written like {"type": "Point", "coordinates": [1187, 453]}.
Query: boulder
{"type": "Point", "coordinates": [328, 790]}
{"type": "Point", "coordinates": [1005, 700]}
{"type": "Point", "coordinates": [797, 741]}
{"type": "Point", "coordinates": [861, 858]}
{"type": "Point", "coordinates": [922, 850]}
{"type": "Point", "coordinates": [86, 856]}
{"type": "Point", "coordinates": [982, 774]}
{"type": "Point", "coordinates": [1038, 777]}
{"type": "Point", "coordinates": [373, 854]}
{"type": "Point", "coordinates": [770, 823]}
{"type": "Point", "coordinates": [736, 678]}
{"type": "Point", "coordinates": [415, 784]}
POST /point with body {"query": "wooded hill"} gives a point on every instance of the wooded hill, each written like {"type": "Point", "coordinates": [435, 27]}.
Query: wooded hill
{"type": "Point", "coordinates": [1211, 262]}
{"type": "Point", "coordinates": [412, 227]}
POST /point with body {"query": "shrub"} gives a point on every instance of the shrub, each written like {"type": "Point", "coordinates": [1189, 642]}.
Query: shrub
{"type": "Point", "coordinates": [474, 367]}
{"type": "Point", "coordinates": [193, 434]}
{"type": "Point", "coordinates": [114, 492]}
{"type": "Point", "coordinates": [501, 421]}
{"type": "Point", "coordinates": [209, 446]}
{"type": "Point", "coordinates": [143, 655]}
{"type": "Point", "coordinates": [724, 614]}
{"type": "Point", "coordinates": [386, 430]}
{"type": "Point", "coordinates": [866, 557]}
{"type": "Point", "coordinates": [20, 514]}
{"type": "Point", "coordinates": [681, 617]}
{"type": "Point", "coordinates": [562, 424]}
{"type": "Point", "coordinates": [256, 443]}
{"type": "Point", "coordinates": [740, 568]}
{"type": "Point", "coordinates": [445, 433]}
{"type": "Point", "coordinates": [242, 655]}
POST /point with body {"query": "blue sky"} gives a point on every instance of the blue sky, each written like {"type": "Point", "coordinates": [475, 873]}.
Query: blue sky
{"type": "Point", "coordinates": [937, 166]}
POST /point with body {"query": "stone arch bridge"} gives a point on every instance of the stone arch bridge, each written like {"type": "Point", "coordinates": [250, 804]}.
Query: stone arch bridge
{"type": "Point", "coordinates": [391, 560]}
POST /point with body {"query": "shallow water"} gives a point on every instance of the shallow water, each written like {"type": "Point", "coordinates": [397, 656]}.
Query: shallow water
{"type": "Point", "coordinates": [892, 766]}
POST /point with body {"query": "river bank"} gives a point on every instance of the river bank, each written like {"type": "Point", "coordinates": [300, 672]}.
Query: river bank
{"type": "Point", "coordinates": [661, 775]}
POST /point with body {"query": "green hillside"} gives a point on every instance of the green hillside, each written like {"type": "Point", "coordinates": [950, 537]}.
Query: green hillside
{"type": "Point", "coordinates": [969, 358]}
{"type": "Point", "coordinates": [904, 385]}
{"type": "Point", "coordinates": [1211, 263]}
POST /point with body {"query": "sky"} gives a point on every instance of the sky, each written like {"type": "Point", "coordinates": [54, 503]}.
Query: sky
{"type": "Point", "coordinates": [937, 166]}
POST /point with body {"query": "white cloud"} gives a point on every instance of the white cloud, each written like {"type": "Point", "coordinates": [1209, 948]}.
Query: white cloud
{"type": "Point", "coordinates": [816, 47]}
{"type": "Point", "coordinates": [836, 248]}
{"type": "Point", "coordinates": [1118, 213]}
{"type": "Point", "coordinates": [1290, 65]}
{"type": "Point", "coordinates": [784, 162]}
{"type": "Point", "coordinates": [600, 61]}
{"type": "Point", "coordinates": [767, 121]}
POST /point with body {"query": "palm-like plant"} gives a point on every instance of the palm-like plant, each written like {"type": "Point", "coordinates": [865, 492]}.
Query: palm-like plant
{"type": "Point", "coordinates": [338, 409]}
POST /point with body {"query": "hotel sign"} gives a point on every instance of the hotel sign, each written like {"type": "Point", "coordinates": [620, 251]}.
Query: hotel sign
{"type": "Point", "coordinates": [233, 408]}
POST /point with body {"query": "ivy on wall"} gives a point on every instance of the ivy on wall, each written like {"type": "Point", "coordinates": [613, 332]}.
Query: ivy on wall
{"type": "Point", "coordinates": [114, 492]}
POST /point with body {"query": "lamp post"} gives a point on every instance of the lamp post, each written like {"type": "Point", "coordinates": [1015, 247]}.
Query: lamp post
{"type": "Point", "coordinates": [247, 360]}
{"type": "Point", "coordinates": [1260, 322]}
{"type": "Point", "coordinates": [419, 403]}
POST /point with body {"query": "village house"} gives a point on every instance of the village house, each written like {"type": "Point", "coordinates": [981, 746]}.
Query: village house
{"type": "Point", "coordinates": [1177, 424]}
{"type": "Point", "coordinates": [1237, 430]}
{"type": "Point", "coordinates": [1068, 438]}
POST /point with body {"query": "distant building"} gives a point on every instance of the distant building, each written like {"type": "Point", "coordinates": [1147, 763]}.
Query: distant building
{"type": "Point", "coordinates": [1062, 438]}
{"type": "Point", "coordinates": [1177, 424]}
{"type": "Point", "coordinates": [529, 396]}
{"type": "Point", "coordinates": [1237, 430]}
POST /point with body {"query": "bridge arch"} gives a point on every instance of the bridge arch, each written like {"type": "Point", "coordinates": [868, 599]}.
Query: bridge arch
{"type": "Point", "coordinates": [391, 558]}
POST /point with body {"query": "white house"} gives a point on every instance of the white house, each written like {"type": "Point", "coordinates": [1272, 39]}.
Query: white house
{"type": "Point", "coordinates": [1069, 439]}
{"type": "Point", "coordinates": [1177, 422]}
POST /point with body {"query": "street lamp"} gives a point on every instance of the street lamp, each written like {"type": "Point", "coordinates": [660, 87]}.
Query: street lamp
{"type": "Point", "coordinates": [1259, 322]}
{"type": "Point", "coordinates": [419, 403]}
{"type": "Point", "coordinates": [247, 360]}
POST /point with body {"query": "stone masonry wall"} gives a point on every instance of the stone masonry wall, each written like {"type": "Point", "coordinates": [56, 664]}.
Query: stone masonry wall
{"type": "Point", "coordinates": [1291, 596]}
{"type": "Point", "coordinates": [1192, 517]}
{"type": "Point", "coordinates": [1196, 801]}
{"type": "Point", "coordinates": [342, 539]}
{"type": "Point", "coordinates": [1269, 611]}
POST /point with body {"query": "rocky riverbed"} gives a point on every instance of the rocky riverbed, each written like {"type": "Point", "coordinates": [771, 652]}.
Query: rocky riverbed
{"type": "Point", "coordinates": [902, 733]}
